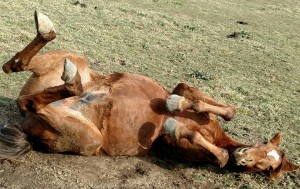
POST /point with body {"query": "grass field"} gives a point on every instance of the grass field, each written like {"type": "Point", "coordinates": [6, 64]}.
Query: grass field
{"type": "Point", "coordinates": [245, 53]}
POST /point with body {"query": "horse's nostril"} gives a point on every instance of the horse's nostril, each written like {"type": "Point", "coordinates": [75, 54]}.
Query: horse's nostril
{"type": "Point", "coordinates": [242, 150]}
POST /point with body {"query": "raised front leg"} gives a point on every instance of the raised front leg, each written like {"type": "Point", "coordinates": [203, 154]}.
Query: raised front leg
{"type": "Point", "coordinates": [45, 33]}
{"type": "Point", "coordinates": [179, 103]}
{"type": "Point", "coordinates": [71, 87]}
{"type": "Point", "coordinates": [177, 131]}
{"type": "Point", "coordinates": [193, 93]}
{"type": "Point", "coordinates": [185, 97]}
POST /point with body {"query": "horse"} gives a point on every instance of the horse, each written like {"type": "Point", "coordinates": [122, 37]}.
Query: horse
{"type": "Point", "coordinates": [69, 108]}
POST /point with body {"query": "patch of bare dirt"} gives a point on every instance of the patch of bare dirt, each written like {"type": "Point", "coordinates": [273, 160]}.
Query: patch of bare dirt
{"type": "Point", "coordinates": [39, 170]}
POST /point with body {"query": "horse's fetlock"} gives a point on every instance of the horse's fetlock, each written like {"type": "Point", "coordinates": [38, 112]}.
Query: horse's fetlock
{"type": "Point", "coordinates": [223, 157]}
{"type": "Point", "coordinates": [230, 113]}
{"type": "Point", "coordinates": [197, 106]}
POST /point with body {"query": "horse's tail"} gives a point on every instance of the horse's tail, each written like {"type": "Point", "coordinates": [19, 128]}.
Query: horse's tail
{"type": "Point", "coordinates": [13, 142]}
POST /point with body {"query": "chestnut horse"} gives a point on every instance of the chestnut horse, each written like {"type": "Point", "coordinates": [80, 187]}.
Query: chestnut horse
{"type": "Point", "coordinates": [69, 108]}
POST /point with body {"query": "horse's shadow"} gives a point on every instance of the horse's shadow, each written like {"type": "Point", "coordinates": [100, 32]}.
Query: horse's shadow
{"type": "Point", "coordinates": [9, 113]}
{"type": "Point", "coordinates": [174, 164]}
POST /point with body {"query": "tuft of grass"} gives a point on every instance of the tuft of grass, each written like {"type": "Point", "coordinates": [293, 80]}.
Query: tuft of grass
{"type": "Point", "coordinates": [241, 34]}
{"type": "Point", "coordinates": [199, 75]}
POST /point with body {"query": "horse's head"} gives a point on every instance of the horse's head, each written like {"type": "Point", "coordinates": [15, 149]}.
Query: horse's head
{"type": "Point", "coordinates": [265, 157]}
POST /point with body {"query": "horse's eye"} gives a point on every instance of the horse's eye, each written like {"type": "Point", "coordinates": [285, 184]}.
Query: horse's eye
{"type": "Point", "coordinates": [269, 168]}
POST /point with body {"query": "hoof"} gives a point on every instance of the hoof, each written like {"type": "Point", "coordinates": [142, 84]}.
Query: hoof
{"type": "Point", "coordinates": [174, 103]}
{"type": "Point", "coordinates": [70, 71]}
{"type": "Point", "coordinates": [230, 113]}
{"type": "Point", "coordinates": [223, 158]}
{"type": "Point", "coordinates": [7, 67]}
{"type": "Point", "coordinates": [170, 126]}
{"type": "Point", "coordinates": [44, 26]}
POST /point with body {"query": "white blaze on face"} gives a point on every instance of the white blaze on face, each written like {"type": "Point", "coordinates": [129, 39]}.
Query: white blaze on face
{"type": "Point", "coordinates": [274, 154]}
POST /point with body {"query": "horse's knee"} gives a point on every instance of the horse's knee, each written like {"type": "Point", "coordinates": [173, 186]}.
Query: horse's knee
{"type": "Point", "coordinates": [23, 103]}
{"type": "Point", "coordinates": [180, 88]}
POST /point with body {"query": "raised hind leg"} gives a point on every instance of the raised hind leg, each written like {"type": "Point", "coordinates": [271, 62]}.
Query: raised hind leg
{"type": "Point", "coordinates": [66, 130]}
{"type": "Point", "coordinates": [71, 87]}
{"type": "Point", "coordinates": [60, 129]}
{"type": "Point", "coordinates": [185, 97]}
{"type": "Point", "coordinates": [45, 33]}
{"type": "Point", "coordinates": [178, 131]}
{"type": "Point", "coordinates": [46, 67]}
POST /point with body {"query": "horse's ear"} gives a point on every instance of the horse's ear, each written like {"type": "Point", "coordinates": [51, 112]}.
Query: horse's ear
{"type": "Point", "coordinates": [289, 166]}
{"type": "Point", "coordinates": [285, 166]}
{"type": "Point", "coordinates": [276, 139]}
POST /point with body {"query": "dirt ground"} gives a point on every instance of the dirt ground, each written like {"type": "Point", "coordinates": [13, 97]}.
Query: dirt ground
{"type": "Point", "coordinates": [38, 170]}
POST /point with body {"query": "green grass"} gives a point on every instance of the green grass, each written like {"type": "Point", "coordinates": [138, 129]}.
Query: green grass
{"type": "Point", "coordinates": [176, 41]}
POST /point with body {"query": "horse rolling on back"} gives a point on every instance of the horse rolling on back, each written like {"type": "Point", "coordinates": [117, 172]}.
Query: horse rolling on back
{"type": "Point", "coordinates": [69, 108]}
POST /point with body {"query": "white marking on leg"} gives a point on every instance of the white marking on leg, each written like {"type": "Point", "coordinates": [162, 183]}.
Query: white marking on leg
{"type": "Point", "coordinates": [274, 154]}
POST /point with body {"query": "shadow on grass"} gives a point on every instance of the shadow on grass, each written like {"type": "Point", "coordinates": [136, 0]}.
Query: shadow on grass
{"type": "Point", "coordinates": [9, 112]}
{"type": "Point", "coordinates": [171, 164]}
{"type": "Point", "coordinates": [170, 159]}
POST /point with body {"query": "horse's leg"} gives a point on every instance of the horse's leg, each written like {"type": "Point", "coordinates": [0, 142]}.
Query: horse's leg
{"type": "Point", "coordinates": [45, 33]}
{"type": "Point", "coordinates": [201, 102]}
{"type": "Point", "coordinates": [177, 130]}
{"type": "Point", "coordinates": [193, 98]}
{"type": "Point", "coordinates": [46, 67]}
{"type": "Point", "coordinates": [71, 87]}
{"type": "Point", "coordinates": [70, 131]}
{"type": "Point", "coordinates": [179, 103]}
{"type": "Point", "coordinates": [193, 93]}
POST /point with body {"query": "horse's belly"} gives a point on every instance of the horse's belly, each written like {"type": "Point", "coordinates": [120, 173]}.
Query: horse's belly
{"type": "Point", "coordinates": [136, 117]}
